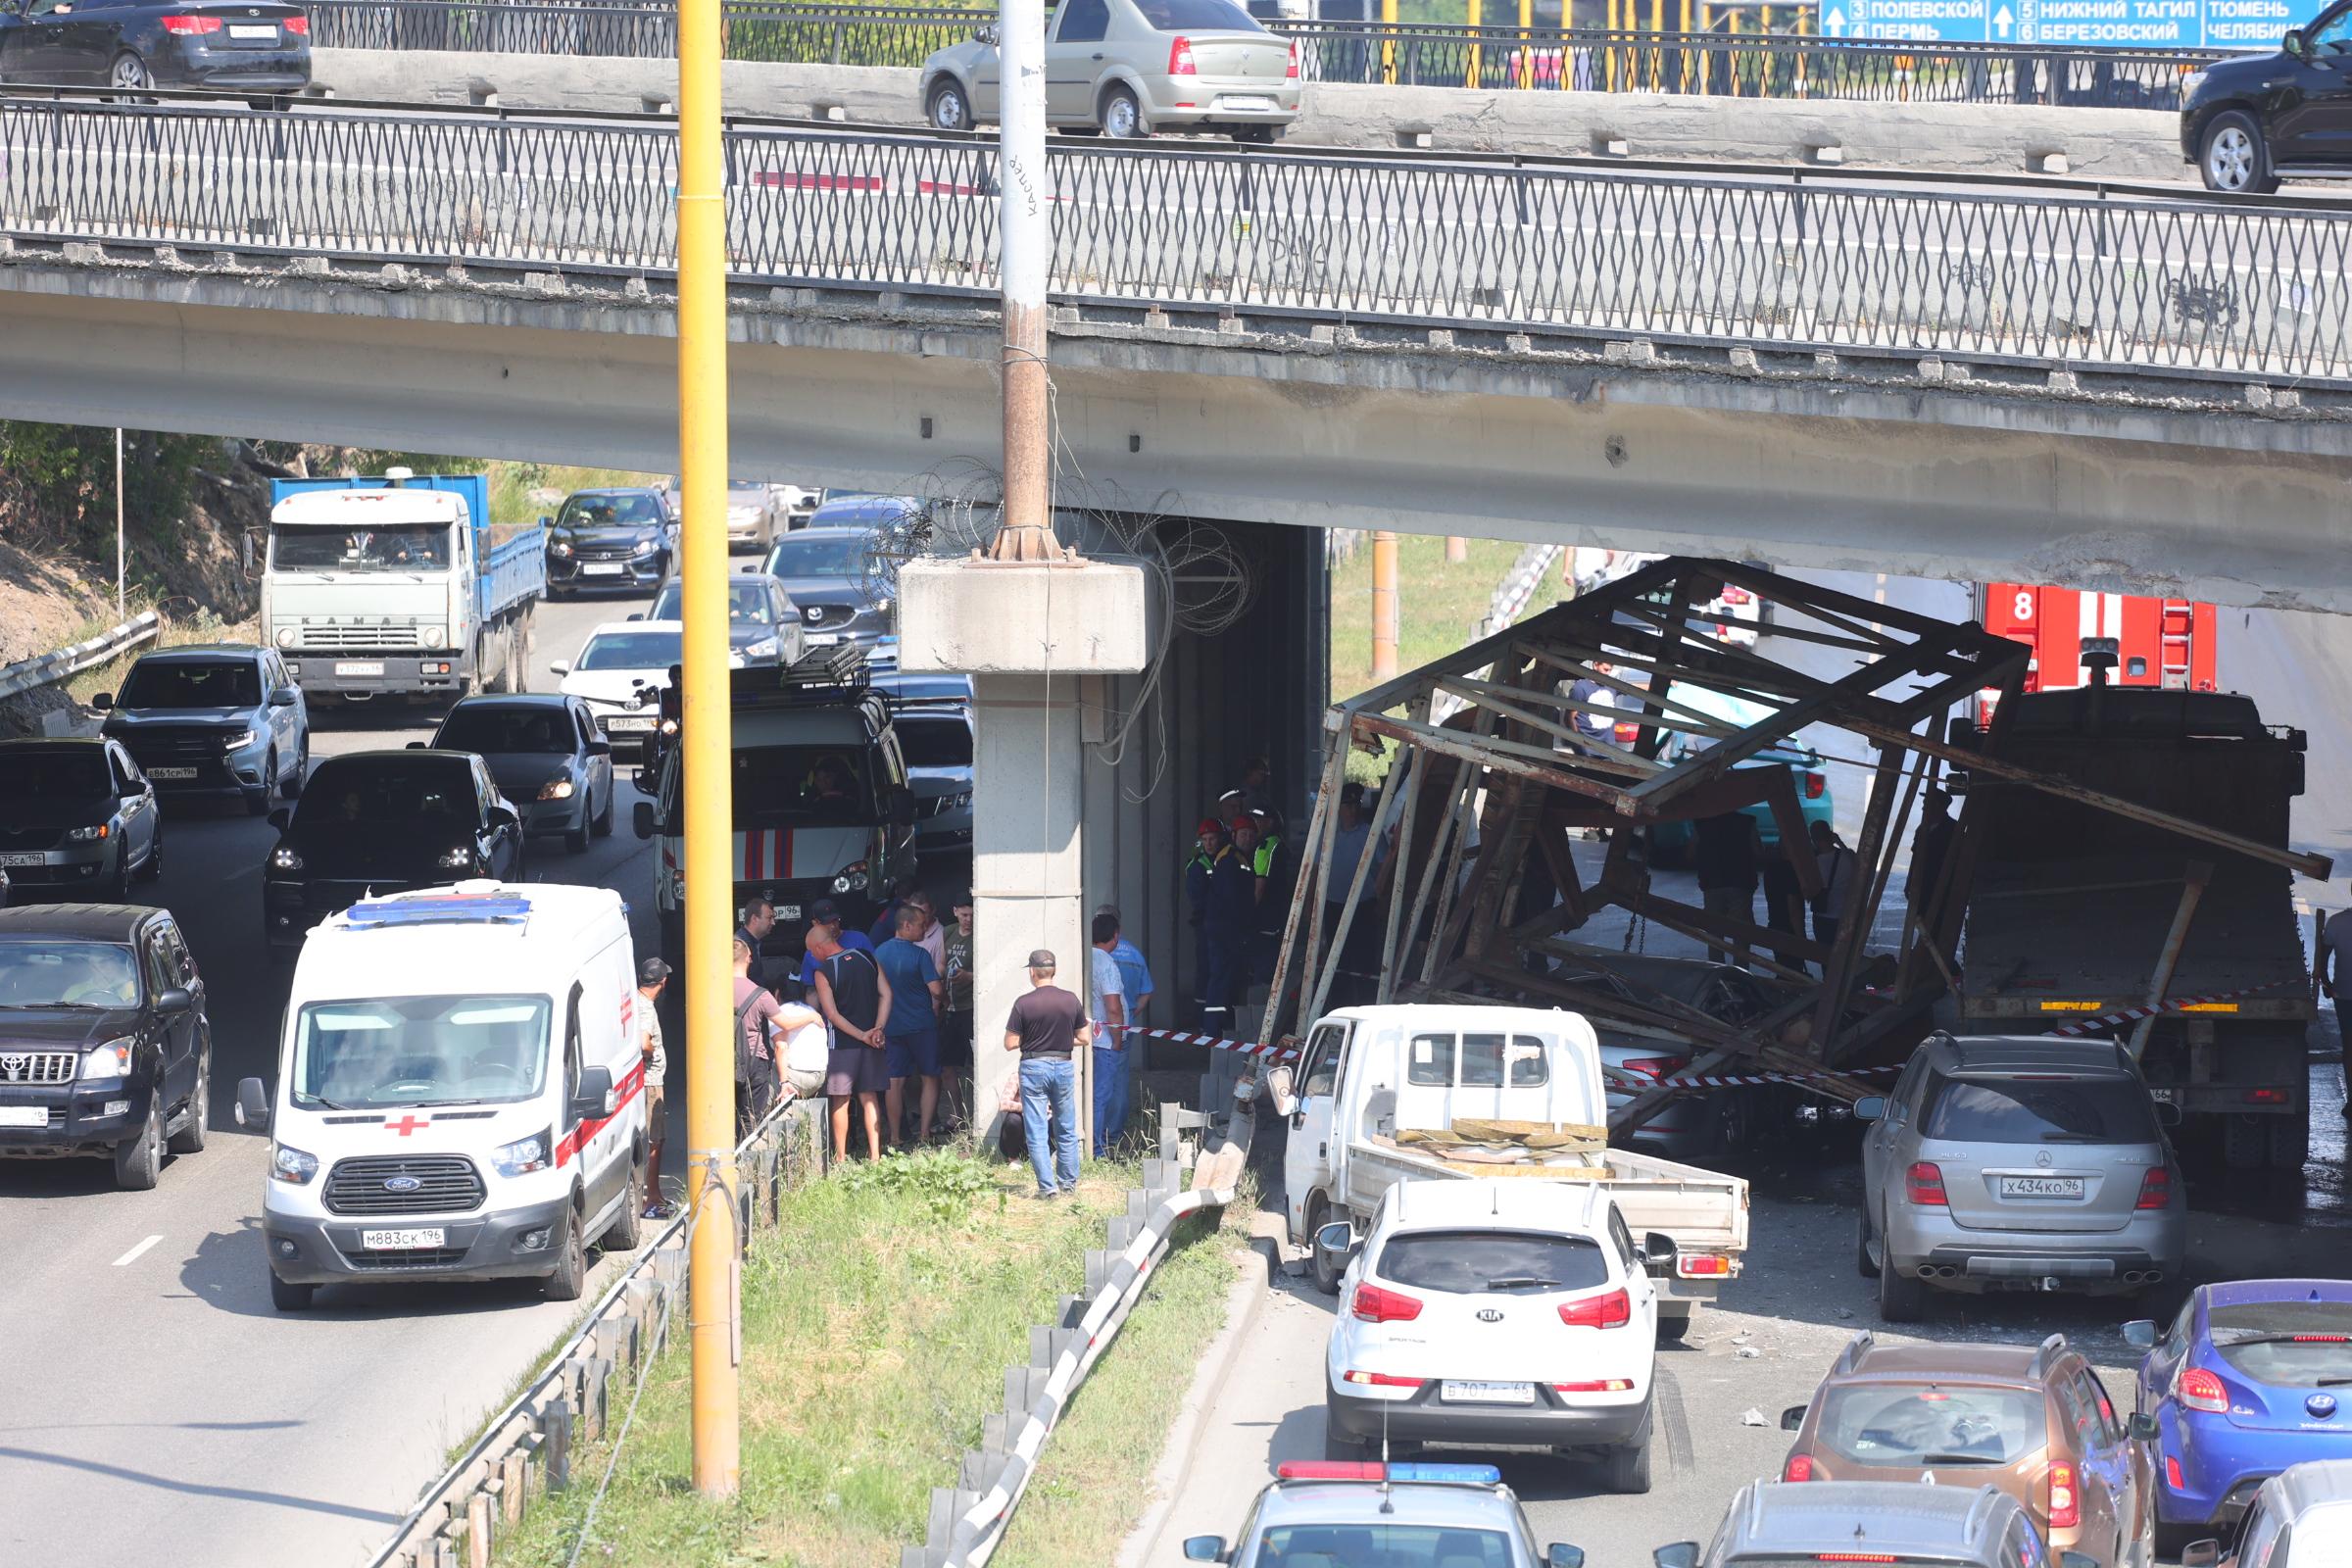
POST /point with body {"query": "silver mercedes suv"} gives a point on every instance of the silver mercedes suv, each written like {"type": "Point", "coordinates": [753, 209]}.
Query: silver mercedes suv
{"type": "Point", "coordinates": [2017, 1162]}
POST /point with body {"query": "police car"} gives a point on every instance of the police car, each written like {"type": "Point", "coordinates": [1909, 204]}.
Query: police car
{"type": "Point", "coordinates": [1403, 1515]}
{"type": "Point", "coordinates": [460, 1093]}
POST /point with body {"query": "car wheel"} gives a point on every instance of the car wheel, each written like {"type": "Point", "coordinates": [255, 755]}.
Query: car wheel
{"type": "Point", "coordinates": [1336, 1445]}
{"type": "Point", "coordinates": [140, 1161]}
{"type": "Point", "coordinates": [2290, 1142]}
{"type": "Point", "coordinates": [2233, 157]}
{"type": "Point", "coordinates": [1901, 1299]}
{"type": "Point", "coordinates": [570, 1277]}
{"type": "Point", "coordinates": [256, 802]}
{"type": "Point", "coordinates": [153, 867]}
{"type": "Point", "coordinates": [604, 818]}
{"type": "Point", "coordinates": [1674, 1330]}
{"type": "Point", "coordinates": [1325, 1275]}
{"type": "Point", "coordinates": [1121, 116]}
{"type": "Point", "coordinates": [189, 1140]}
{"type": "Point", "coordinates": [575, 838]}
{"type": "Point", "coordinates": [625, 1234]}
{"type": "Point", "coordinates": [291, 785]}
{"type": "Point", "coordinates": [1864, 1264]}
{"type": "Point", "coordinates": [289, 1297]}
{"type": "Point", "coordinates": [118, 886]}
{"type": "Point", "coordinates": [1626, 1469]}
{"type": "Point", "coordinates": [129, 74]}
{"type": "Point", "coordinates": [947, 109]}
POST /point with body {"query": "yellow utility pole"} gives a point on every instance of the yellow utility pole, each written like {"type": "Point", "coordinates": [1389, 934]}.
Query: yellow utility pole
{"type": "Point", "coordinates": [1657, 56]}
{"type": "Point", "coordinates": [1476, 51]}
{"type": "Point", "coordinates": [1609, 46]}
{"type": "Point", "coordinates": [704, 745]}
{"type": "Point", "coordinates": [1387, 46]}
{"type": "Point", "coordinates": [1682, 70]}
{"type": "Point", "coordinates": [1384, 605]}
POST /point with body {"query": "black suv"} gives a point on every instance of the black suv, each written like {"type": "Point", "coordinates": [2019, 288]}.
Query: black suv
{"type": "Point", "coordinates": [616, 538]}
{"type": "Point", "coordinates": [104, 1045]}
{"type": "Point", "coordinates": [2249, 123]}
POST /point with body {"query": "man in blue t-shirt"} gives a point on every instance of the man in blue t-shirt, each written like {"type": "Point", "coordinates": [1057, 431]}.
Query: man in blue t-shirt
{"type": "Point", "coordinates": [911, 1033]}
{"type": "Point", "coordinates": [823, 912]}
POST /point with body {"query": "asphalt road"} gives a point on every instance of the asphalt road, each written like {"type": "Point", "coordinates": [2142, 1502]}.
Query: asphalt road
{"type": "Point", "coordinates": [159, 1408]}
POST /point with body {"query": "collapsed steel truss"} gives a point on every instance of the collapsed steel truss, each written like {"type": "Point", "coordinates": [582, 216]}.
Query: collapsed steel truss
{"type": "Point", "coordinates": [1508, 758]}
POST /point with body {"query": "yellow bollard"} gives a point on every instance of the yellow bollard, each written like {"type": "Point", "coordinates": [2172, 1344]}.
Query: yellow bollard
{"type": "Point", "coordinates": [1527, 61]}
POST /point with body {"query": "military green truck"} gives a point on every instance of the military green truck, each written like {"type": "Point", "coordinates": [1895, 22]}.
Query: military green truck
{"type": "Point", "coordinates": [2072, 907]}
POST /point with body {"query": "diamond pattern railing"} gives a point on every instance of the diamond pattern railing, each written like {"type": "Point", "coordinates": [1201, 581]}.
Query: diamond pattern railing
{"type": "Point", "coordinates": [2248, 289]}
{"type": "Point", "coordinates": [1762, 64]}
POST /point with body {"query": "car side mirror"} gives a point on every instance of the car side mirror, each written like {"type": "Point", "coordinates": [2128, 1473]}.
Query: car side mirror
{"type": "Point", "coordinates": [642, 818]}
{"type": "Point", "coordinates": [283, 696]}
{"type": "Point", "coordinates": [1870, 1108]}
{"type": "Point", "coordinates": [1561, 1554]}
{"type": "Point", "coordinates": [2141, 1334]}
{"type": "Point", "coordinates": [2196, 1554]}
{"type": "Point", "coordinates": [503, 816]}
{"type": "Point", "coordinates": [175, 999]}
{"type": "Point", "coordinates": [600, 747]}
{"type": "Point", "coordinates": [1658, 1253]}
{"type": "Point", "coordinates": [2141, 1427]}
{"type": "Point", "coordinates": [2293, 42]}
{"type": "Point", "coordinates": [635, 615]}
{"type": "Point", "coordinates": [1335, 1244]}
{"type": "Point", "coordinates": [560, 666]}
{"type": "Point", "coordinates": [1792, 1419]}
{"type": "Point", "coordinates": [594, 1098]}
{"type": "Point", "coordinates": [985, 34]}
{"type": "Point", "coordinates": [2167, 1114]}
{"type": "Point", "coordinates": [252, 1105]}
{"type": "Point", "coordinates": [546, 521]}
{"type": "Point", "coordinates": [1676, 1554]}
{"type": "Point", "coordinates": [104, 700]}
{"type": "Point", "coordinates": [419, 746]}
{"type": "Point", "coordinates": [280, 818]}
{"type": "Point", "coordinates": [1205, 1549]}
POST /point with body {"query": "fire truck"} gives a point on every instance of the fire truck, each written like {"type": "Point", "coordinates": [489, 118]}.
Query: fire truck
{"type": "Point", "coordinates": [2165, 643]}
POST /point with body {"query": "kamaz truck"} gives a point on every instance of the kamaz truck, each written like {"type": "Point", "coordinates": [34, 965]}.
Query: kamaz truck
{"type": "Point", "coordinates": [2073, 908]}
{"type": "Point", "coordinates": [399, 587]}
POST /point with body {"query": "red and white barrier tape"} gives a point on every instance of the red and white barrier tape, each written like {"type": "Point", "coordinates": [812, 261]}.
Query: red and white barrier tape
{"type": "Point", "coordinates": [1278, 1051]}
{"type": "Point", "coordinates": [1736, 1080]}
{"type": "Point", "coordinates": [2107, 1020]}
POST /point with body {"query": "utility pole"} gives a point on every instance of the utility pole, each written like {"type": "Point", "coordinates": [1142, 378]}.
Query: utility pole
{"type": "Point", "coordinates": [715, 1306]}
{"type": "Point", "coordinates": [1025, 232]}
{"type": "Point", "coordinates": [117, 523]}
{"type": "Point", "coordinates": [1384, 605]}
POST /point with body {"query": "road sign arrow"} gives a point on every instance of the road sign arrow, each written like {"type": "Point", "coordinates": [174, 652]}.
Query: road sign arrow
{"type": "Point", "coordinates": [1835, 23]}
{"type": "Point", "coordinates": [2002, 19]}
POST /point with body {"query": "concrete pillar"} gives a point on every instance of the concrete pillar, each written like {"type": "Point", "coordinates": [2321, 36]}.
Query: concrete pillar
{"type": "Point", "coordinates": [1030, 634]}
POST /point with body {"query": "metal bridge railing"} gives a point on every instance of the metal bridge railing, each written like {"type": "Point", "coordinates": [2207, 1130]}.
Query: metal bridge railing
{"type": "Point", "coordinates": [1586, 60]}
{"type": "Point", "coordinates": [2040, 275]}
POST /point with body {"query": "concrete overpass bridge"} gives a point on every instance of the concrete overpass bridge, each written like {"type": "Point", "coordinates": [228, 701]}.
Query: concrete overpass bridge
{"type": "Point", "coordinates": [2034, 379]}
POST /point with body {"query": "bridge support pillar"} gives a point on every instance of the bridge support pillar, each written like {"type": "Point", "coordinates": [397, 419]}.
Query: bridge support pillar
{"type": "Point", "coordinates": [1036, 638]}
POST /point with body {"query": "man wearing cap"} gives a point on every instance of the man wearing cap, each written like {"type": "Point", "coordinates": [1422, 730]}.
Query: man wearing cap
{"type": "Point", "coordinates": [1048, 1026]}
{"type": "Point", "coordinates": [652, 978]}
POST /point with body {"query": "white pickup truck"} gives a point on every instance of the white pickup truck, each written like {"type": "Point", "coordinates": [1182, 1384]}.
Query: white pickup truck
{"type": "Point", "coordinates": [1369, 1074]}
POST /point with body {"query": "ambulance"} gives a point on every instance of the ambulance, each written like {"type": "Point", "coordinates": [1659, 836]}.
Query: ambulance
{"type": "Point", "coordinates": [459, 1095]}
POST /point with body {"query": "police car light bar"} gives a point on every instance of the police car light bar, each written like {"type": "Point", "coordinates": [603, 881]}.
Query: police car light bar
{"type": "Point", "coordinates": [478, 908]}
{"type": "Point", "coordinates": [1475, 1475]}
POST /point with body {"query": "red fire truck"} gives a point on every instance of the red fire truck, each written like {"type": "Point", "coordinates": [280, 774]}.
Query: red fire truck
{"type": "Point", "coordinates": [2166, 643]}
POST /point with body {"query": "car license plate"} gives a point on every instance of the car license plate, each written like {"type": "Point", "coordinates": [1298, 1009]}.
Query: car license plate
{"type": "Point", "coordinates": [23, 1115]}
{"type": "Point", "coordinates": [821, 639]}
{"type": "Point", "coordinates": [1260, 104]}
{"type": "Point", "coordinates": [240, 30]}
{"type": "Point", "coordinates": [2042, 1187]}
{"type": "Point", "coordinates": [629, 724]}
{"type": "Point", "coordinates": [788, 911]}
{"type": "Point", "coordinates": [360, 667]}
{"type": "Point", "coordinates": [1453, 1393]}
{"type": "Point", "coordinates": [170, 772]}
{"type": "Point", "coordinates": [601, 568]}
{"type": "Point", "coordinates": [400, 1241]}
{"type": "Point", "coordinates": [21, 860]}
{"type": "Point", "coordinates": [2166, 1095]}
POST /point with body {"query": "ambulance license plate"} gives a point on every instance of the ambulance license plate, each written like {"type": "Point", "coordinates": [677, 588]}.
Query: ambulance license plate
{"type": "Point", "coordinates": [402, 1241]}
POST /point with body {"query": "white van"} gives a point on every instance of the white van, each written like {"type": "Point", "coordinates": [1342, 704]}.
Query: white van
{"type": "Point", "coordinates": [460, 1095]}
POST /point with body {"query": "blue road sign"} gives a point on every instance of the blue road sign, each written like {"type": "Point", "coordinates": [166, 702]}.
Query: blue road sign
{"type": "Point", "coordinates": [2073, 24]}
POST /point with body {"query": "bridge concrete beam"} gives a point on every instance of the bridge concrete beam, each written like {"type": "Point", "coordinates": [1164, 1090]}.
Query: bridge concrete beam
{"type": "Point", "coordinates": [1905, 468]}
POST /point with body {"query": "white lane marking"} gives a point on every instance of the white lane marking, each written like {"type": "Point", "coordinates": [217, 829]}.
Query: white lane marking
{"type": "Point", "coordinates": [133, 1254]}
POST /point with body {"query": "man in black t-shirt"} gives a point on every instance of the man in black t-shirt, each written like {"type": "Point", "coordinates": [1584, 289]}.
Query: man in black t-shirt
{"type": "Point", "coordinates": [854, 997]}
{"type": "Point", "coordinates": [1046, 1026]}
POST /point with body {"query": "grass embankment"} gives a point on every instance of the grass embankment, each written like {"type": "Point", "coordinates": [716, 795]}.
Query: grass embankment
{"type": "Point", "coordinates": [511, 484]}
{"type": "Point", "coordinates": [878, 1320]}
{"type": "Point", "coordinates": [201, 628]}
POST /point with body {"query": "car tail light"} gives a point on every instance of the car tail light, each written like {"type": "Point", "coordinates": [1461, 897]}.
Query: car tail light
{"type": "Point", "coordinates": [1701, 1265]}
{"type": "Point", "coordinates": [2155, 1189]}
{"type": "Point", "coordinates": [1376, 1305]}
{"type": "Point", "coordinates": [2322, 1339]}
{"type": "Point", "coordinates": [1180, 57]}
{"type": "Point", "coordinates": [1735, 596]}
{"type": "Point", "coordinates": [1651, 1066]}
{"type": "Point", "coordinates": [1611, 1310]}
{"type": "Point", "coordinates": [1600, 1386]}
{"type": "Point", "coordinates": [182, 27]}
{"type": "Point", "coordinates": [1291, 71]}
{"type": "Point", "coordinates": [1626, 732]}
{"type": "Point", "coordinates": [1855, 1557]}
{"type": "Point", "coordinates": [2172, 1471]}
{"type": "Point", "coordinates": [1816, 784]}
{"type": "Point", "coordinates": [2066, 1503]}
{"type": "Point", "coordinates": [1382, 1380]}
{"type": "Point", "coordinates": [2266, 1097]}
{"type": "Point", "coordinates": [1799, 1468]}
{"type": "Point", "coordinates": [2200, 1389]}
{"type": "Point", "coordinates": [1922, 1185]}
{"type": "Point", "coordinates": [298, 25]}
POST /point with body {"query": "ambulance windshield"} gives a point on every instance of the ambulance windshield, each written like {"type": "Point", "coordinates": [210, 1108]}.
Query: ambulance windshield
{"type": "Point", "coordinates": [419, 1051]}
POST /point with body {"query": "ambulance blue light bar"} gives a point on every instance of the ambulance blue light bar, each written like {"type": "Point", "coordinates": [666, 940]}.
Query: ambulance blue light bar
{"type": "Point", "coordinates": [1472, 1475]}
{"type": "Point", "coordinates": [465, 909]}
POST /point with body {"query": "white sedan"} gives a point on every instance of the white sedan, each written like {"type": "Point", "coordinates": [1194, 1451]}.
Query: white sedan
{"type": "Point", "coordinates": [620, 672]}
{"type": "Point", "coordinates": [1496, 1314]}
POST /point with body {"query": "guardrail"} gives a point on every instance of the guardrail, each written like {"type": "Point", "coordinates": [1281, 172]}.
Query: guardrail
{"type": "Point", "coordinates": [2057, 275]}
{"type": "Point", "coordinates": [526, 1450]}
{"type": "Point", "coordinates": [46, 669]}
{"type": "Point", "coordinates": [1766, 64]}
